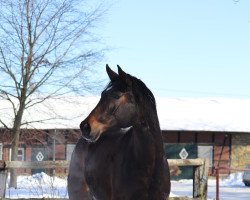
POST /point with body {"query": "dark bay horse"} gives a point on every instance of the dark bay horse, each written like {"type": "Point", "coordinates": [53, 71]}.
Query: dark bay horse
{"type": "Point", "coordinates": [120, 155]}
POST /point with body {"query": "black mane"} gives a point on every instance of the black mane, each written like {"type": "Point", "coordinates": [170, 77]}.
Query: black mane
{"type": "Point", "coordinates": [147, 104]}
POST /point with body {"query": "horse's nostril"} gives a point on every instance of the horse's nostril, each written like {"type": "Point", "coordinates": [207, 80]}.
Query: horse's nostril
{"type": "Point", "coordinates": [86, 132]}
{"type": "Point", "coordinates": [86, 127]}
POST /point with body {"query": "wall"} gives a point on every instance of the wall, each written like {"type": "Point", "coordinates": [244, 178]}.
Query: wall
{"type": "Point", "coordinates": [240, 155]}
{"type": "Point", "coordinates": [37, 140]}
{"type": "Point", "coordinates": [218, 142]}
{"type": "Point", "coordinates": [236, 151]}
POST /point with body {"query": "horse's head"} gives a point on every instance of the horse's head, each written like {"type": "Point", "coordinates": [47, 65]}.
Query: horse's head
{"type": "Point", "coordinates": [115, 110]}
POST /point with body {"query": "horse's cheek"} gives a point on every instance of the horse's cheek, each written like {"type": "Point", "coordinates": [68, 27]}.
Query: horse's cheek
{"type": "Point", "coordinates": [127, 114]}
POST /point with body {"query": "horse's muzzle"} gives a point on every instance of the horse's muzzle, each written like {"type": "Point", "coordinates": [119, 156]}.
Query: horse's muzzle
{"type": "Point", "coordinates": [86, 132]}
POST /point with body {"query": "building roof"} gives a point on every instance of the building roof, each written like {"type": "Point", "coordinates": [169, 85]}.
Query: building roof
{"type": "Point", "coordinates": [204, 114]}
{"type": "Point", "coordinates": [208, 114]}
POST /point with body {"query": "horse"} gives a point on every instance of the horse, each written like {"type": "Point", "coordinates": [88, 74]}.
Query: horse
{"type": "Point", "coordinates": [120, 154]}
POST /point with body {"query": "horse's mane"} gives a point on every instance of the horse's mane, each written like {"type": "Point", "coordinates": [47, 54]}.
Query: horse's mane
{"type": "Point", "coordinates": [146, 103]}
{"type": "Point", "coordinates": [147, 106]}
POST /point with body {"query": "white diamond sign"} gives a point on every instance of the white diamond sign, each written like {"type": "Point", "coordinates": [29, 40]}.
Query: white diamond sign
{"type": "Point", "coordinates": [39, 156]}
{"type": "Point", "coordinates": [183, 154]}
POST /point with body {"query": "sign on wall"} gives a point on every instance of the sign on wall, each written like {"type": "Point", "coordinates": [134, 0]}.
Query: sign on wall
{"type": "Point", "coordinates": [39, 156]}
{"type": "Point", "coordinates": [183, 153]}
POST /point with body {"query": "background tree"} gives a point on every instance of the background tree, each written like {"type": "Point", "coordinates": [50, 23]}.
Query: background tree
{"type": "Point", "coordinates": [47, 48]}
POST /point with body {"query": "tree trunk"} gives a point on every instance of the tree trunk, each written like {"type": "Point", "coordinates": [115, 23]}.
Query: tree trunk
{"type": "Point", "coordinates": [15, 142]}
{"type": "Point", "coordinates": [14, 153]}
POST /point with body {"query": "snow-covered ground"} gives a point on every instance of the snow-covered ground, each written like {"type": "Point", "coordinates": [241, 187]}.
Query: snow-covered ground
{"type": "Point", "coordinates": [39, 186]}
{"type": "Point", "coordinates": [42, 185]}
{"type": "Point", "coordinates": [231, 188]}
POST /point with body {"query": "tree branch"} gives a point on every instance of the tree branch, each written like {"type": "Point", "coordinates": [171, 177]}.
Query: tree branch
{"type": "Point", "coordinates": [5, 126]}
{"type": "Point", "coordinates": [8, 71]}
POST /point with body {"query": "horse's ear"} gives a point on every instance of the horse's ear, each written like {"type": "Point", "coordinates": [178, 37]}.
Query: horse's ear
{"type": "Point", "coordinates": [124, 76]}
{"type": "Point", "coordinates": [121, 73]}
{"type": "Point", "coordinates": [112, 75]}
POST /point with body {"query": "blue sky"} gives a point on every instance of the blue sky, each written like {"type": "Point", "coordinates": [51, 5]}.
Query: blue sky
{"type": "Point", "coordinates": [182, 48]}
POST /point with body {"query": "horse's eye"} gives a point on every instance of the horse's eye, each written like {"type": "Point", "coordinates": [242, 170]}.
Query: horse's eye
{"type": "Point", "coordinates": [116, 96]}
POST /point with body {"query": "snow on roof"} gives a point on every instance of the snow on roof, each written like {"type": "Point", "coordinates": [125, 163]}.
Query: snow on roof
{"type": "Point", "coordinates": [209, 114]}
{"type": "Point", "coordinates": [204, 114]}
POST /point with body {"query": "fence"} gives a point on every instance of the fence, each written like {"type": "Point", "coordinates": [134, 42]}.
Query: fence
{"type": "Point", "coordinates": [200, 176]}
{"type": "Point", "coordinates": [6, 165]}
{"type": "Point", "coordinates": [217, 175]}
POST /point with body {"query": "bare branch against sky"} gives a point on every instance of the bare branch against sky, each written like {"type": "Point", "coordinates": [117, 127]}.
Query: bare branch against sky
{"type": "Point", "coordinates": [47, 48]}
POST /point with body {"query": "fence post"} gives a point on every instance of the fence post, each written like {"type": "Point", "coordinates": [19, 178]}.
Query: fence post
{"type": "Point", "coordinates": [200, 179]}
{"type": "Point", "coordinates": [3, 179]}
{"type": "Point", "coordinates": [217, 173]}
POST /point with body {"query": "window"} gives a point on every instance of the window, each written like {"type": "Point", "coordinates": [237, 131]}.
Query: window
{"type": "Point", "coordinates": [70, 149]}
{"type": "Point", "coordinates": [20, 154]}
{"type": "Point", "coordinates": [1, 151]}
{"type": "Point", "coordinates": [206, 152]}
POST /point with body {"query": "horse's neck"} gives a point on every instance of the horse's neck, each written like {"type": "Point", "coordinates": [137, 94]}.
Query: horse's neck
{"type": "Point", "coordinates": [151, 122]}
{"type": "Point", "coordinates": [147, 130]}
{"type": "Point", "coordinates": [151, 126]}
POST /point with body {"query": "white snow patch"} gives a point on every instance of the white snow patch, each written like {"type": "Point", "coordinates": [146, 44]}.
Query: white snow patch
{"type": "Point", "coordinates": [230, 188]}
{"type": "Point", "coordinates": [39, 185]}
{"type": "Point", "coordinates": [43, 186]}
{"type": "Point", "coordinates": [211, 114]}
{"type": "Point", "coordinates": [234, 179]}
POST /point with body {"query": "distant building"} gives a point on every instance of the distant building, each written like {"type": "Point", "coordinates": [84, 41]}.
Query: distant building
{"type": "Point", "coordinates": [216, 129]}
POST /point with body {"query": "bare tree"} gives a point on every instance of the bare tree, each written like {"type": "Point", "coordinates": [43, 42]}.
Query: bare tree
{"type": "Point", "coordinates": [46, 47]}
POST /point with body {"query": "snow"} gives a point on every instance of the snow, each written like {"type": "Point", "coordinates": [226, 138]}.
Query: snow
{"type": "Point", "coordinates": [61, 113]}
{"type": "Point", "coordinates": [234, 179]}
{"type": "Point", "coordinates": [208, 114]}
{"type": "Point", "coordinates": [43, 186]}
{"type": "Point", "coordinates": [39, 186]}
{"type": "Point", "coordinates": [231, 188]}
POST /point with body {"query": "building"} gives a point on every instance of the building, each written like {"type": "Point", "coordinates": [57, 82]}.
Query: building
{"type": "Point", "coordinates": [40, 145]}
{"type": "Point", "coordinates": [217, 129]}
